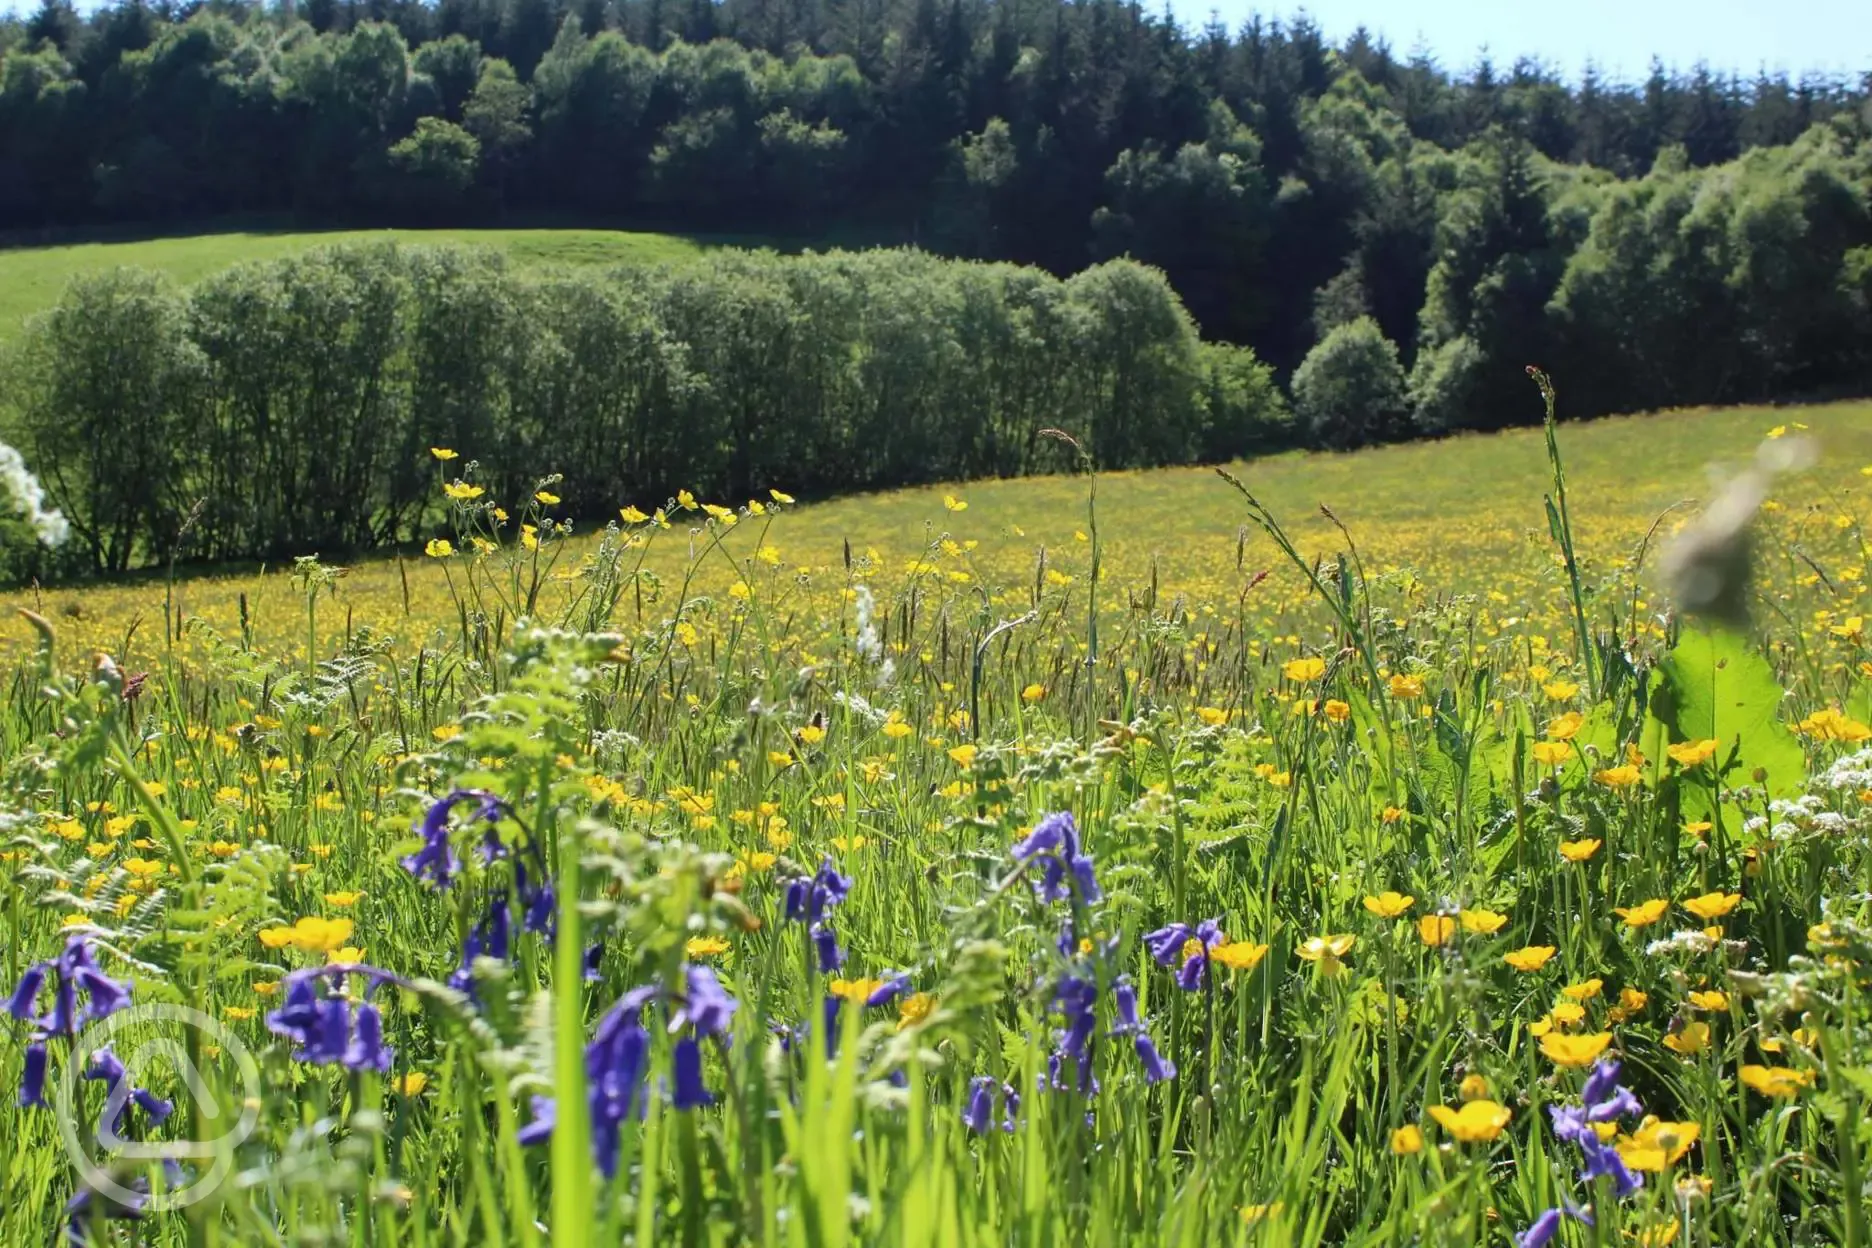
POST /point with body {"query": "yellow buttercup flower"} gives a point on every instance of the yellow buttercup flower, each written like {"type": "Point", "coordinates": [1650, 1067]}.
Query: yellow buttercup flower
{"type": "Point", "coordinates": [1305, 669]}
{"type": "Point", "coordinates": [1775, 1081]}
{"type": "Point", "coordinates": [1644, 913]}
{"type": "Point", "coordinates": [1528, 959]}
{"type": "Point", "coordinates": [1712, 905]}
{"type": "Point", "coordinates": [1620, 777]}
{"type": "Point", "coordinates": [310, 934]}
{"type": "Point", "coordinates": [705, 946]}
{"type": "Point", "coordinates": [442, 453]}
{"type": "Point", "coordinates": [1690, 1041]}
{"type": "Point", "coordinates": [462, 492]}
{"type": "Point", "coordinates": [1389, 905]}
{"type": "Point", "coordinates": [1407, 1140]}
{"type": "Point", "coordinates": [1692, 753]}
{"type": "Point", "coordinates": [1435, 929]}
{"type": "Point", "coordinates": [952, 503]}
{"type": "Point", "coordinates": [916, 1007]}
{"type": "Point", "coordinates": [1656, 1145]}
{"type": "Point", "coordinates": [1565, 727]}
{"type": "Point", "coordinates": [1482, 922]}
{"type": "Point", "coordinates": [1579, 851]}
{"type": "Point", "coordinates": [1585, 990]}
{"type": "Point", "coordinates": [411, 1084]}
{"type": "Point", "coordinates": [1565, 1050]}
{"type": "Point", "coordinates": [439, 548]}
{"type": "Point", "coordinates": [1551, 753]}
{"type": "Point", "coordinates": [1325, 952]}
{"type": "Point", "coordinates": [1238, 955]}
{"type": "Point", "coordinates": [1406, 687]}
{"type": "Point", "coordinates": [854, 990]}
{"type": "Point", "coordinates": [1714, 999]}
{"type": "Point", "coordinates": [1477, 1122]}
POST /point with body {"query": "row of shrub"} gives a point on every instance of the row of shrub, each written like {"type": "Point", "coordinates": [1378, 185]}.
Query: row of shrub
{"type": "Point", "coordinates": [287, 407]}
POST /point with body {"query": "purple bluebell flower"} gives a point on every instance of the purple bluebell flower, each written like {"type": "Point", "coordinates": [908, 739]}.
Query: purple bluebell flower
{"type": "Point", "coordinates": [25, 996]}
{"type": "Point", "coordinates": [86, 1207]}
{"type": "Point", "coordinates": [1010, 1107]}
{"type": "Point", "coordinates": [539, 1130]}
{"type": "Point", "coordinates": [107, 1066]}
{"type": "Point", "coordinates": [811, 901]}
{"type": "Point", "coordinates": [320, 1026]}
{"type": "Point", "coordinates": [490, 937]}
{"type": "Point", "coordinates": [74, 971]}
{"type": "Point", "coordinates": [1048, 836]}
{"type": "Point", "coordinates": [1157, 1068]}
{"type": "Point", "coordinates": [435, 860]}
{"type": "Point", "coordinates": [686, 1065]}
{"type": "Point", "coordinates": [1603, 1160]}
{"type": "Point", "coordinates": [1547, 1225]}
{"type": "Point", "coordinates": [33, 1077]}
{"type": "Point", "coordinates": [1601, 1083]}
{"type": "Point", "coordinates": [616, 1073]}
{"type": "Point", "coordinates": [707, 1008]}
{"type": "Point", "coordinates": [367, 1050]}
{"type": "Point", "coordinates": [978, 1112]}
{"type": "Point", "coordinates": [1603, 1099]}
{"type": "Point", "coordinates": [1166, 943]}
{"type": "Point", "coordinates": [1124, 1004]}
{"type": "Point", "coordinates": [894, 986]}
{"type": "Point", "coordinates": [829, 1019]}
{"type": "Point", "coordinates": [155, 1107]}
{"type": "Point", "coordinates": [826, 946]}
{"type": "Point", "coordinates": [1077, 1001]}
{"type": "Point", "coordinates": [1064, 867]}
{"type": "Point", "coordinates": [539, 904]}
{"type": "Point", "coordinates": [104, 996]}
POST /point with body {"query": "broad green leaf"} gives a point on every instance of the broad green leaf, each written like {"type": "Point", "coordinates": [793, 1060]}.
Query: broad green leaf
{"type": "Point", "coordinates": [1714, 684]}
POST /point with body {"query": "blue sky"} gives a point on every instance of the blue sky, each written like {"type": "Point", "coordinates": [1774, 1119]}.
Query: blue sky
{"type": "Point", "coordinates": [1621, 36]}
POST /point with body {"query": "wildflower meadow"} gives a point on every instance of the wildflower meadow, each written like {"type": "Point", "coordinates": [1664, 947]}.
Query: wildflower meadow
{"type": "Point", "coordinates": [664, 885]}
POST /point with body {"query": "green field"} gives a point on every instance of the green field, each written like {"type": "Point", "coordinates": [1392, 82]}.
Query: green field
{"type": "Point", "coordinates": [1395, 849]}
{"type": "Point", "coordinates": [32, 278]}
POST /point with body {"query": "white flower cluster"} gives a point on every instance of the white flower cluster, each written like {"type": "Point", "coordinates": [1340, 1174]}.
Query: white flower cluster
{"type": "Point", "coordinates": [29, 497]}
{"type": "Point", "coordinates": [1799, 816]}
{"type": "Point", "coordinates": [1686, 941]}
{"type": "Point", "coordinates": [869, 645]}
{"type": "Point", "coordinates": [1853, 772]}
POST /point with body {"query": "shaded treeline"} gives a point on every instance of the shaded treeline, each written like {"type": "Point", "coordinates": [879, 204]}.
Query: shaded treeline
{"type": "Point", "coordinates": [294, 402]}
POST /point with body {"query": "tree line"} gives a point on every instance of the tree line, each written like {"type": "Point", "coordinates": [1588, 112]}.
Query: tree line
{"type": "Point", "coordinates": [288, 406]}
{"type": "Point", "coordinates": [1268, 172]}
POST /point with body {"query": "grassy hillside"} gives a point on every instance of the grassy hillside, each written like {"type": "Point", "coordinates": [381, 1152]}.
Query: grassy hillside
{"type": "Point", "coordinates": [1464, 514]}
{"type": "Point", "coordinates": [31, 278]}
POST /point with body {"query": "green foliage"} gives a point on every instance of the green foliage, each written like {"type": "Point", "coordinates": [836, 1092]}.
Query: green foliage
{"type": "Point", "coordinates": [298, 399]}
{"type": "Point", "coordinates": [104, 397]}
{"type": "Point", "coordinates": [1715, 685]}
{"type": "Point", "coordinates": [1350, 389]}
{"type": "Point", "coordinates": [436, 163]}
